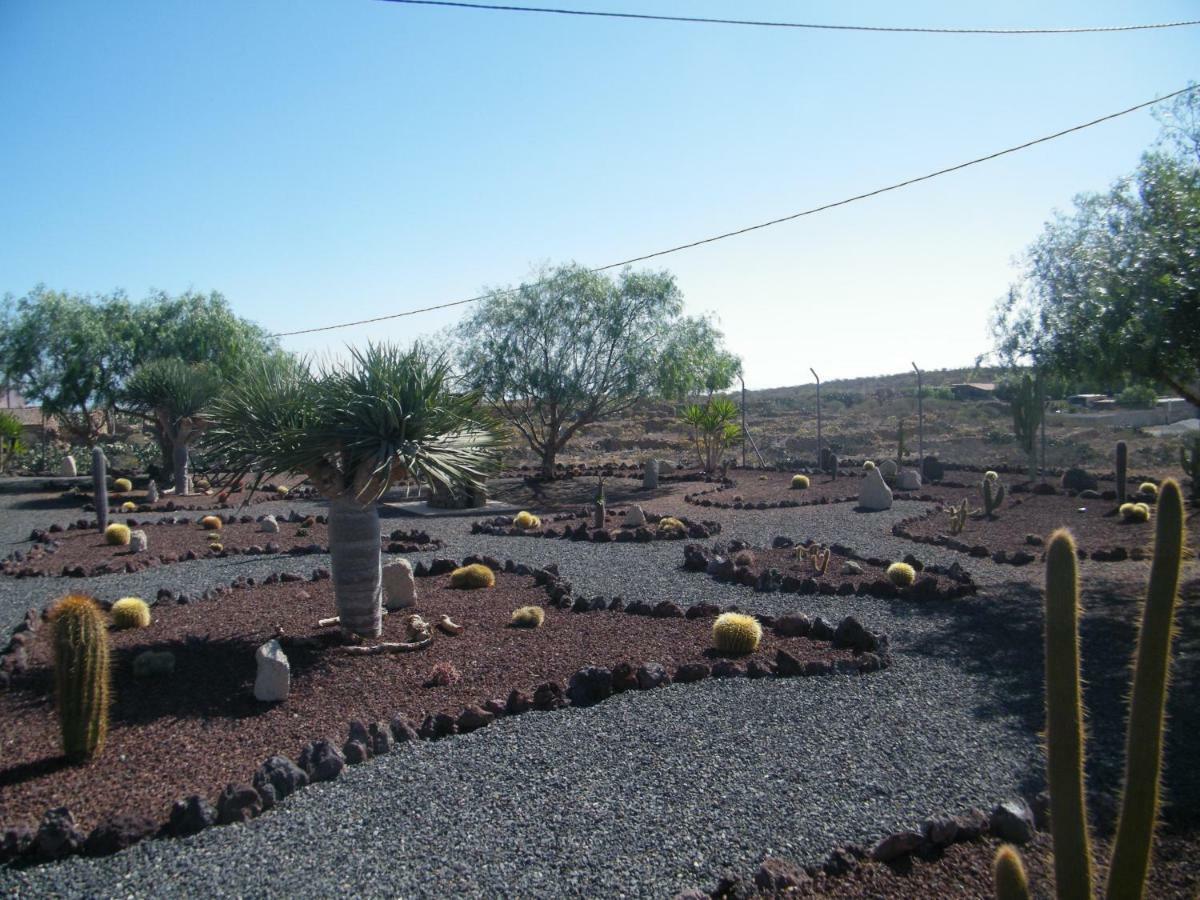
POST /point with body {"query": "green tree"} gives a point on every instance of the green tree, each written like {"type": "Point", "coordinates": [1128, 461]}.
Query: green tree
{"type": "Point", "coordinates": [10, 437]}
{"type": "Point", "coordinates": [1112, 290]}
{"type": "Point", "coordinates": [714, 427]}
{"type": "Point", "coordinates": [694, 361]}
{"type": "Point", "coordinates": [353, 430]}
{"type": "Point", "coordinates": [568, 349]}
{"type": "Point", "coordinates": [175, 394]}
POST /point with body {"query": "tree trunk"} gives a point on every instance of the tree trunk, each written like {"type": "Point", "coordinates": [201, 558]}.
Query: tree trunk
{"type": "Point", "coordinates": [180, 460]}
{"type": "Point", "coordinates": [355, 556]}
{"type": "Point", "coordinates": [548, 456]}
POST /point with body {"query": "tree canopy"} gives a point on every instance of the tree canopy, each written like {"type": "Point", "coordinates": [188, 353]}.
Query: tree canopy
{"type": "Point", "coordinates": [694, 361]}
{"type": "Point", "coordinates": [568, 348]}
{"type": "Point", "coordinates": [1111, 290]}
{"type": "Point", "coordinates": [73, 353]}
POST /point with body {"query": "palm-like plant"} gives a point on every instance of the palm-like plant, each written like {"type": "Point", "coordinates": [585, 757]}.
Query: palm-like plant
{"type": "Point", "coordinates": [175, 395]}
{"type": "Point", "coordinates": [713, 428]}
{"type": "Point", "coordinates": [353, 430]}
{"type": "Point", "coordinates": [10, 436]}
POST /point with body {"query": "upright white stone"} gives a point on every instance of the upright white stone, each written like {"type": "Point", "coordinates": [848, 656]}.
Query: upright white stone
{"type": "Point", "coordinates": [269, 525]}
{"type": "Point", "coordinates": [273, 681]}
{"type": "Point", "coordinates": [650, 479]}
{"type": "Point", "coordinates": [874, 494]}
{"type": "Point", "coordinates": [635, 517]}
{"type": "Point", "coordinates": [908, 480]}
{"type": "Point", "coordinates": [138, 541]}
{"type": "Point", "coordinates": [888, 468]}
{"type": "Point", "coordinates": [399, 585]}
{"type": "Point", "coordinates": [152, 492]}
{"type": "Point", "coordinates": [67, 468]}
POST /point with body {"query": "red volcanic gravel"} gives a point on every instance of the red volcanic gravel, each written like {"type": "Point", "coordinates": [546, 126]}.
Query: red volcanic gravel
{"type": "Point", "coordinates": [766, 490]}
{"type": "Point", "coordinates": [199, 729]}
{"type": "Point", "coordinates": [84, 552]}
{"type": "Point", "coordinates": [1023, 522]}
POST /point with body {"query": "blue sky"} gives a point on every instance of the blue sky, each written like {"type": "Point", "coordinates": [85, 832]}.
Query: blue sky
{"type": "Point", "coordinates": [324, 161]}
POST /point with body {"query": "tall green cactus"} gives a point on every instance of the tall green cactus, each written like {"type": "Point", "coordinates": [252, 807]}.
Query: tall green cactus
{"type": "Point", "coordinates": [1064, 716]}
{"type": "Point", "coordinates": [1147, 707]}
{"type": "Point", "coordinates": [1122, 472]}
{"type": "Point", "coordinates": [1064, 722]}
{"type": "Point", "coordinates": [100, 487]}
{"type": "Point", "coordinates": [1191, 465]}
{"type": "Point", "coordinates": [1027, 412]}
{"type": "Point", "coordinates": [993, 493]}
{"type": "Point", "coordinates": [82, 676]}
{"type": "Point", "coordinates": [1008, 873]}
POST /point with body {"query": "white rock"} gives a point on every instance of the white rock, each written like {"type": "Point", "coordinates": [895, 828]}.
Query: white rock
{"type": "Point", "coordinates": [635, 517]}
{"type": "Point", "coordinates": [888, 468]}
{"type": "Point", "coordinates": [650, 478]}
{"type": "Point", "coordinates": [274, 679]}
{"type": "Point", "coordinates": [269, 524]}
{"type": "Point", "coordinates": [908, 480]}
{"type": "Point", "coordinates": [874, 494]}
{"type": "Point", "coordinates": [67, 467]}
{"type": "Point", "coordinates": [850, 567]}
{"type": "Point", "coordinates": [138, 541]}
{"type": "Point", "coordinates": [399, 586]}
{"type": "Point", "coordinates": [152, 492]}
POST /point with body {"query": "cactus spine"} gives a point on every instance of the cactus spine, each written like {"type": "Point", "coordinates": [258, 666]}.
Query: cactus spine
{"type": "Point", "coordinates": [1122, 470]}
{"type": "Point", "coordinates": [1008, 874]}
{"type": "Point", "coordinates": [1191, 465]}
{"type": "Point", "coordinates": [82, 677]}
{"type": "Point", "coordinates": [993, 494]}
{"type": "Point", "coordinates": [1144, 736]}
{"type": "Point", "coordinates": [100, 487]}
{"type": "Point", "coordinates": [1064, 722]}
{"type": "Point", "coordinates": [1151, 675]}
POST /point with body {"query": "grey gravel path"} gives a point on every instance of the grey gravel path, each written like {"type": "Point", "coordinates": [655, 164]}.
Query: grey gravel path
{"type": "Point", "coordinates": [645, 794]}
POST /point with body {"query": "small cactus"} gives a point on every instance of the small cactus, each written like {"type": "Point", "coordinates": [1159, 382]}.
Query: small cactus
{"type": "Point", "coordinates": [868, 466]}
{"type": "Point", "coordinates": [130, 612]}
{"type": "Point", "coordinates": [211, 523]}
{"type": "Point", "coordinates": [800, 482]}
{"type": "Point", "coordinates": [1008, 874]}
{"type": "Point", "coordinates": [901, 574]}
{"type": "Point", "coordinates": [282, 490]}
{"type": "Point", "coordinates": [736, 634]}
{"type": "Point", "coordinates": [816, 556]}
{"type": "Point", "coordinates": [117, 535]}
{"type": "Point", "coordinates": [82, 677]}
{"type": "Point", "coordinates": [122, 485]}
{"type": "Point", "coordinates": [1122, 469]}
{"type": "Point", "coordinates": [1148, 489]}
{"type": "Point", "coordinates": [993, 493]}
{"type": "Point", "coordinates": [671, 525]}
{"type": "Point", "coordinates": [128, 506]}
{"type": "Point", "coordinates": [471, 577]}
{"type": "Point", "coordinates": [958, 517]}
{"type": "Point", "coordinates": [528, 617]}
{"type": "Point", "coordinates": [216, 547]}
{"type": "Point", "coordinates": [1135, 512]}
{"type": "Point", "coordinates": [1191, 465]}
{"type": "Point", "coordinates": [527, 521]}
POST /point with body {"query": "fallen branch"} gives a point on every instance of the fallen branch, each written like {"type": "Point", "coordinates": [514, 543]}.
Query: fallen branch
{"type": "Point", "coordinates": [375, 649]}
{"type": "Point", "coordinates": [334, 620]}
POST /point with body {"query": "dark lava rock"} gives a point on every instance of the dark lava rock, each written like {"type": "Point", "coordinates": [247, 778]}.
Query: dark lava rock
{"type": "Point", "coordinates": [821, 630]}
{"type": "Point", "coordinates": [549, 696]}
{"type": "Point", "coordinates": [818, 667]}
{"type": "Point", "coordinates": [322, 761]}
{"type": "Point", "coordinates": [439, 726]}
{"type": "Point", "coordinates": [403, 730]}
{"type": "Point", "coordinates": [473, 718]}
{"type": "Point", "coordinates": [757, 669]}
{"type": "Point", "coordinates": [972, 825]}
{"type": "Point", "coordinates": [624, 677]}
{"type": "Point", "coordinates": [15, 841]}
{"type": "Point", "coordinates": [379, 739]}
{"type": "Point", "coordinates": [691, 672]}
{"type": "Point", "coordinates": [360, 734]}
{"type": "Point", "coordinates": [652, 675]}
{"type": "Point", "coordinates": [276, 779]}
{"type": "Point", "coordinates": [1012, 821]}
{"type": "Point", "coordinates": [793, 625]}
{"type": "Point", "coordinates": [779, 875]}
{"type": "Point", "coordinates": [782, 543]}
{"type": "Point", "coordinates": [851, 633]}
{"type": "Point", "coordinates": [442, 566]}
{"type": "Point", "coordinates": [191, 815]}
{"type": "Point", "coordinates": [117, 834]}
{"type": "Point", "coordinates": [896, 845]}
{"type": "Point", "coordinates": [518, 702]}
{"type": "Point", "coordinates": [590, 685]}
{"type": "Point", "coordinates": [58, 835]}
{"type": "Point", "coordinates": [703, 611]}
{"type": "Point", "coordinates": [727, 669]}
{"type": "Point", "coordinates": [786, 665]}
{"type": "Point", "coordinates": [668, 609]}
{"type": "Point", "coordinates": [238, 803]}
{"type": "Point", "coordinates": [1077, 479]}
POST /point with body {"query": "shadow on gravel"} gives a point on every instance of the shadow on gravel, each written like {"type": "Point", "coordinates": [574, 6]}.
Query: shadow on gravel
{"type": "Point", "coordinates": [51, 502]}
{"type": "Point", "coordinates": [999, 637]}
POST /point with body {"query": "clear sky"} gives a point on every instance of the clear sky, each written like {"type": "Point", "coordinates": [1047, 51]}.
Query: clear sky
{"type": "Point", "coordinates": [324, 161]}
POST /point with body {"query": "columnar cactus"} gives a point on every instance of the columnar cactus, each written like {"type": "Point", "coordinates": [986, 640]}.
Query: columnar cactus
{"type": "Point", "coordinates": [993, 493]}
{"type": "Point", "coordinates": [1144, 737]}
{"type": "Point", "coordinates": [82, 677]}
{"type": "Point", "coordinates": [100, 487]}
{"type": "Point", "coordinates": [1009, 875]}
{"type": "Point", "coordinates": [1122, 470]}
{"type": "Point", "coordinates": [958, 517]}
{"type": "Point", "coordinates": [1191, 466]}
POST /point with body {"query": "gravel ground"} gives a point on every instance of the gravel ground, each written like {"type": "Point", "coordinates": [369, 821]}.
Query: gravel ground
{"type": "Point", "coordinates": [645, 794]}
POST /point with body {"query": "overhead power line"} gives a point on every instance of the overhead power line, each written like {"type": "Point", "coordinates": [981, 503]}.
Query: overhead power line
{"type": "Point", "coordinates": [813, 26]}
{"type": "Point", "coordinates": [788, 218]}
